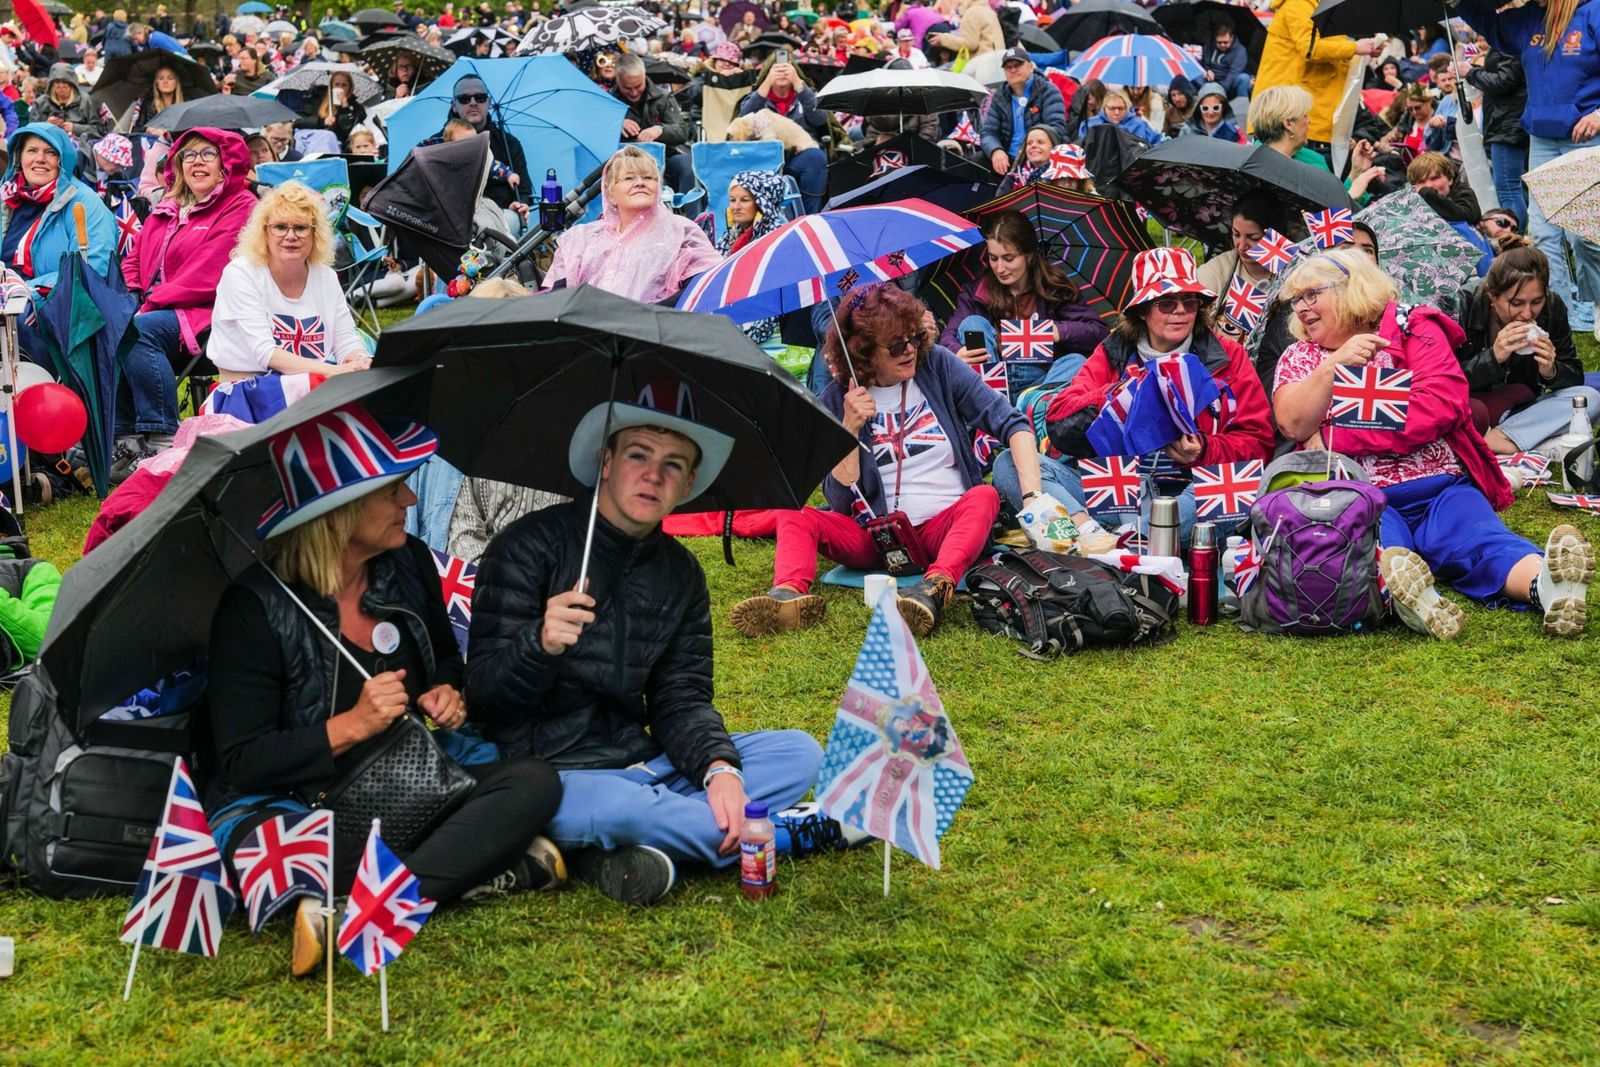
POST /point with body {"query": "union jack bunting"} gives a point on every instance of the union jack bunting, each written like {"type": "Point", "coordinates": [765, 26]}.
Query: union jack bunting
{"type": "Point", "coordinates": [1243, 303]}
{"type": "Point", "coordinates": [285, 858]}
{"type": "Point", "coordinates": [1110, 484]}
{"type": "Point", "coordinates": [887, 161]}
{"type": "Point", "coordinates": [1030, 338]}
{"type": "Point", "coordinates": [385, 911]}
{"type": "Point", "coordinates": [457, 579]}
{"type": "Point", "coordinates": [183, 896]}
{"type": "Point", "coordinates": [893, 766]}
{"type": "Point", "coordinates": [1274, 251]}
{"type": "Point", "coordinates": [1370, 398]}
{"type": "Point", "coordinates": [1330, 228]}
{"type": "Point", "coordinates": [965, 132]}
{"type": "Point", "coordinates": [128, 223]}
{"type": "Point", "coordinates": [897, 436]}
{"type": "Point", "coordinates": [1226, 490]}
{"type": "Point", "coordinates": [305, 337]}
{"type": "Point", "coordinates": [1575, 500]}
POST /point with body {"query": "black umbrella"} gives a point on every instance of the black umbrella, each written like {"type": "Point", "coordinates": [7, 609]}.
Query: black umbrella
{"type": "Point", "coordinates": [953, 192]}
{"type": "Point", "coordinates": [1195, 22]}
{"type": "Point", "coordinates": [201, 49]}
{"type": "Point", "coordinates": [140, 606]}
{"type": "Point", "coordinates": [226, 112]}
{"type": "Point", "coordinates": [126, 79]}
{"type": "Point", "coordinates": [432, 196]}
{"type": "Point", "coordinates": [858, 169]}
{"type": "Point", "coordinates": [431, 60]}
{"type": "Point", "coordinates": [902, 92]}
{"type": "Point", "coordinates": [1363, 18]}
{"type": "Point", "coordinates": [771, 42]}
{"type": "Point", "coordinates": [373, 18]}
{"type": "Point", "coordinates": [55, 7]}
{"type": "Point", "coordinates": [1108, 151]}
{"type": "Point", "coordinates": [818, 70]}
{"type": "Point", "coordinates": [1082, 24]}
{"type": "Point", "coordinates": [663, 73]}
{"type": "Point", "coordinates": [1033, 37]}
{"type": "Point", "coordinates": [1190, 185]}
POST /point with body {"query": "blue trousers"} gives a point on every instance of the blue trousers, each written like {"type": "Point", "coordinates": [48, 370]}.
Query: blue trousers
{"type": "Point", "coordinates": [147, 396]}
{"type": "Point", "coordinates": [652, 804]}
{"type": "Point", "coordinates": [1237, 85]}
{"type": "Point", "coordinates": [1061, 481]}
{"type": "Point", "coordinates": [1509, 162]}
{"type": "Point", "coordinates": [1548, 416]}
{"type": "Point", "coordinates": [810, 171]}
{"type": "Point", "coordinates": [1448, 521]}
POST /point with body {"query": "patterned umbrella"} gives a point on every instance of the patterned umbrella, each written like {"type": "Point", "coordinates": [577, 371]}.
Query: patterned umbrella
{"type": "Point", "coordinates": [819, 256]}
{"type": "Point", "coordinates": [309, 76]}
{"type": "Point", "coordinates": [589, 27]}
{"type": "Point", "coordinates": [1567, 190]}
{"type": "Point", "coordinates": [1081, 25]}
{"type": "Point", "coordinates": [464, 42]}
{"type": "Point", "coordinates": [1092, 238]}
{"type": "Point", "coordinates": [1134, 60]}
{"type": "Point", "coordinates": [431, 60]}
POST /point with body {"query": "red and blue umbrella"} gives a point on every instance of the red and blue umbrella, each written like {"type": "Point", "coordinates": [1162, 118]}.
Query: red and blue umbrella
{"type": "Point", "coordinates": [819, 256]}
{"type": "Point", "coordinates": [1131, 59]}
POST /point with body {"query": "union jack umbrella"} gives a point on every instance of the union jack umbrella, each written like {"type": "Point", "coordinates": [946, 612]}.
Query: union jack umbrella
{"type": "Point", "coordinates": [893, 766]}
{"type": "Point", "coordinates": [1370, 398]}
{"type": "Point", "coordinates": [1134, 59]}
{"type": "Point", "coordinates": [886, 161]}
{"type": "Point", "coordinates": [1243, 303]}
{"type": "Point", "coordinates": [1274, 251]}
{"type": "Point", "coordinates": [1030, 338]}
{"type": "Point", "coordinates": [1110, 484]}
{"type": "Point", "coordinates": [1575, 500]}
{"type": "Point", "coordinates": [800, 262]}
{"type": "Point", "coordinates": [1330, 228]}
{"type": "Point", "coordinates": [385, 911]}
{"type": "Point", "coordinates": [183, 896]}
{"type": "Point", "coordinates": [285, 858]}
{"type": "Point", "coordinates": [457, 580]}
{"type": "Point", "coordinates": [1226, 490]}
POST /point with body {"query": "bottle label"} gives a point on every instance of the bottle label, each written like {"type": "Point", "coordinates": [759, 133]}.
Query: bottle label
{"type": "Point", "coordinates": [758, 863]}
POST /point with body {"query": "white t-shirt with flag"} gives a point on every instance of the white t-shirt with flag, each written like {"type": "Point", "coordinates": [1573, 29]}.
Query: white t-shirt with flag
{"type": "Point", "coordinates": [252, 317]}
{"type": "Point", "coordinates": [907, 434]}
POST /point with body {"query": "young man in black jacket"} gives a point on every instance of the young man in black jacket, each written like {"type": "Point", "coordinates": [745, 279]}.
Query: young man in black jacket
{"type": "Point", "coordinates": [612, 683]}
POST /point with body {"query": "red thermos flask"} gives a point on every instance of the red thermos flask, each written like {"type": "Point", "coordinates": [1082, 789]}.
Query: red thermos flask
{"type": "Point", "coordinates": [1203, 575]}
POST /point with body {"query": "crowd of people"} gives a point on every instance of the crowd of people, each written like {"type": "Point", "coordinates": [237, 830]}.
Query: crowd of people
{"type": "Point", "coordinates": [584, 714]}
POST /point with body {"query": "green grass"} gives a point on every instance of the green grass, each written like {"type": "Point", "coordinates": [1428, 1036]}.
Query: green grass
{"type": "Point", "coordinates": [1233, 848]}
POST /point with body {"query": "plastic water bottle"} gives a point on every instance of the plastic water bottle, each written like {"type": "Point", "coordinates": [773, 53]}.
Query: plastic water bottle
{"type": "Point", "coordinates": [758, 858]}
{"type": "Point", "coordinates": [1579, 432]}
{"type": "Point", "coordinates": [550, 202]}
{"type": "Point", "coordinates": [1230, 561]}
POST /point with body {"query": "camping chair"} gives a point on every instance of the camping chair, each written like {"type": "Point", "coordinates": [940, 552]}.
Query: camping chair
{"type": "Point", "coordinates": [717, 109]}
{"type": "Point", "coordinates": [358, 258]}
{"type": "Point", "coordinates": [683, 203]}
{"type": "Point", "coordinates": [716, 164]}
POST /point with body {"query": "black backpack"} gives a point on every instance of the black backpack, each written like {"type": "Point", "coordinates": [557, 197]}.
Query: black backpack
{"type": "Point", "coordinates": [1054, 603]}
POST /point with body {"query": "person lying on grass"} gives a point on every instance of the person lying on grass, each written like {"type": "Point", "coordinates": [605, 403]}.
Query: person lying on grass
{"type": "Point", "coordinates": [611, 683]}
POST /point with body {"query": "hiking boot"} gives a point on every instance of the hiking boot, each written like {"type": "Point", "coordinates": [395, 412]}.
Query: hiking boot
{"type": "Point", "coordinates": [1563, 583]}
{"type": "Point", "coordinates": [539, 868]}
{"type": "Point", "coordinates": [777, 611]}
{"type": "Point", "coordinates": [923, 606]}
{"type": "Point", "coordinates": [810, 831]}
{"type": "Point", "coordinates": [309, 949]}
{"type": "Point", "coordinates": [126, 457]}
{"type": "Point", "coordinates": [1413, 598]}
{"type": "Point", "coordinates": [634, 874]}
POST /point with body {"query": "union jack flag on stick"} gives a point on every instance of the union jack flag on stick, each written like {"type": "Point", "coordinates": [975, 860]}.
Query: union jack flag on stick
{"type": "Point", "coordinates": [1274, 251]}
{"type": "Point", "coordinates": [965, 132]}
{"type": "Point", "coordinates": [385, 911]}
{"type": "Point", "coordinates": [1226, 490]}
{"type": "Point", "coordinates": [285, 858]}
{"type": "Point", "coordinates": [1330, 228]}
{"type": "Point", "coordinates": [893, 766]}
{"type": "Point", "coordinates": [1575, 500]}
{"type": "Point", "coordinates": [1030, 338]}
{"type": "Point", "coordinates": [457, 580]}
{"type": "Point", "coordinates": [1110, 485]}
{"type": "Point", "coordinates": [1370, 398]}
{"type": "Point", "coordinates": [1534, 467]}
{"type": "Point", "coordinates": [1243, 303]}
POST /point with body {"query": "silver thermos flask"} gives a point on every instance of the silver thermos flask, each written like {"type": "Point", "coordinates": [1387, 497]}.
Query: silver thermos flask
{"type": "Point", "coordinates": [1164, 526]}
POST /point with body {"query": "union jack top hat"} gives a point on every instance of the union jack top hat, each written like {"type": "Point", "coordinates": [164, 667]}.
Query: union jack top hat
{"type": "Point", "coordinates": [339, 457]}
{"type": "Point", "coordinates": [1159, 272]}
{"type": "Point", "coordinates": [666, 403]}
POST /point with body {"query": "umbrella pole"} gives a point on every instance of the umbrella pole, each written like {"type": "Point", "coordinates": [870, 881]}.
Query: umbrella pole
{"type": "Point", "coordinates": [594, 502]}
{"type": "Point", "coordinates": [1463, 109]}
{"type": "Point", "coordinates": [844, 348]}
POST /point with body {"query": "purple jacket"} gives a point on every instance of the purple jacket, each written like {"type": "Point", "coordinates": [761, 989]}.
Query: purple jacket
{"type": "Point", "coordinates": [1077, 326]}
{"type": "Point", "coordinates": [918, 18]}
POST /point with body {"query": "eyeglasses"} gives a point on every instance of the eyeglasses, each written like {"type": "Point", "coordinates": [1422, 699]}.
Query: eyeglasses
{"type": "Point", "coordinates": [1169, 305]}
{"type": "Point", "coordinates": [284, 229]}
{"type": "Point", "coordinates": [1308, 297]}
{"type": "Point", "coordinates": [903, 345]}
{"type": "Point", "coordinates": [472, 98]}
{"type": "Point", "coordinates": [204, 155]}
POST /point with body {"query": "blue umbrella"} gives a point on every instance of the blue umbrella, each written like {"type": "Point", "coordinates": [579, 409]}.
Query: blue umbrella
{"type": "Point", "coordinates": [563, 120]}
{"type": "Point", "coordinates": [1129, 59]}
{"type": "Point", "coordinates": [253, 7]}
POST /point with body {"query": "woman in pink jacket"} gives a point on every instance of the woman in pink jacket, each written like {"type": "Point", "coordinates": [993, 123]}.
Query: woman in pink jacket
{"type": "Point", "coordinates": [174, 267]}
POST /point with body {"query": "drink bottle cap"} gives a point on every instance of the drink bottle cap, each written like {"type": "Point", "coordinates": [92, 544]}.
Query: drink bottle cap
{"type": "Point", "coordinates": [754, 810]}
{"type": "Point", "coordinates": [1204, 536]}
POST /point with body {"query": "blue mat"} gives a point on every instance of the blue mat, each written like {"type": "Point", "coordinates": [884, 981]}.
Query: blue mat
{"type": "Point", "coordinates": [1592, 379]}
{"type": "Point", "coordinates": [853, 579]}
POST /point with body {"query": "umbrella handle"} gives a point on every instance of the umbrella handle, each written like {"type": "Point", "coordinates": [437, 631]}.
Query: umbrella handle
{"type": "Point", "coordinates": [82, 221]}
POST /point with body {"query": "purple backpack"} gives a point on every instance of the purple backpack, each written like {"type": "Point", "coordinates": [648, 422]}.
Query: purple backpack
{"type": "Point", "coordinates": [1318, 544]}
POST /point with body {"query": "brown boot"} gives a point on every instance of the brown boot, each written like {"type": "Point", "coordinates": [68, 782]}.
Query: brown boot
{"type": "Point", "coordinates": [923, 607]}
{"type": "Point", "coordinates": [309, 930]}
{"type": "Point", "coordinates": [778, 611]}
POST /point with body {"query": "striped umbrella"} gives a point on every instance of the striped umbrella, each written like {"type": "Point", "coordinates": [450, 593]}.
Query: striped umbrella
{"type": "Point", "coordinates": [819, 256]}
{"type": "Point", "coordinates": [1130, 59]}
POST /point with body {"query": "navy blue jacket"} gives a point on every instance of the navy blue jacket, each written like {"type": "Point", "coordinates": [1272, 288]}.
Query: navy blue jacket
{"type": "Point", "coordinates": [1044, 107]}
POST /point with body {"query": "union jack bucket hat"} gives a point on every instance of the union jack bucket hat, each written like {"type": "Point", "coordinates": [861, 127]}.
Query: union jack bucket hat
{"type": "Point", "coordinates": [665, 402]}
{"type": "Point", "coordinates": [336, 458]}
{"type": "Point", "coordinates": [1159, 272]}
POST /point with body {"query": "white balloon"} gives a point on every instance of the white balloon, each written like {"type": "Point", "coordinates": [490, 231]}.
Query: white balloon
{"type": "Point", "coordinates": [27, 374]}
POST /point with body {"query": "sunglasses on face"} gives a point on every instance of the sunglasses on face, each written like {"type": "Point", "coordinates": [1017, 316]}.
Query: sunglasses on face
{"type": "Point", "coordinates": [1211, 107]}
{"type": "Point", "coordinates": [1170, 305]}
{"type": "Point", "coordinates": [903, 345]}
{"type": "Point", "coordinates": [472, 98]}
{"type": "Point", "coordinates": [1504, 224]}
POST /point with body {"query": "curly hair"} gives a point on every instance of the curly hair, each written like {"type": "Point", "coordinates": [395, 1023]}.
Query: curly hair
{"type": "Point", "coordinates": [290, 202]}
{"type": "Point", "coordinates": [871, 315]}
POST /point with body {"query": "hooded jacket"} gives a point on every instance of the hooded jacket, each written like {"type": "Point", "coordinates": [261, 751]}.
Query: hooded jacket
{"type": "Point", "coordinates": [1296, 54]}
{"type": "Point", "coordinates": [59, 233]}
{"type": "Point", "coordinates": [1226, 129]}
{"type": "Point", "coordinates": [83, 115]}
{"type": "Point", "coordinates": [176, 261]}
{"type": "Point", "coordinates": [1041, 106]}
{"type": "Point", "coordinates": [1561, 89]}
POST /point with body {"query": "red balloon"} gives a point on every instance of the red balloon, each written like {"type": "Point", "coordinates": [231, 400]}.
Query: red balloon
{"type": "Point", "coordinates": [50, 417]}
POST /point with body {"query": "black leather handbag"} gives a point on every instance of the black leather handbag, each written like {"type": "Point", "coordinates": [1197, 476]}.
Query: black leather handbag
{"type": "Point", "coordinates": [405, 780]}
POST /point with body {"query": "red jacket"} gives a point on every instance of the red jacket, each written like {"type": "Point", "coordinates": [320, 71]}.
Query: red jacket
{"type": "Point", "coordinates": [1237, 427]}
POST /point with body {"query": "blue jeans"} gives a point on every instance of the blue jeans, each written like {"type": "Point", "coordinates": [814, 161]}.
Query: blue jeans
{"type": "Point", "coordinates": [1236, 85]}
{"type": "Point", "coordinates": [1550, 237]}
{"type": "Point", "coordinates": [1547, 416]}
{"type": "Point", "coordinates": [147, 396]}
{"type": "Point", "coordinates": [1509, 162]}
{"type": "Point", "coordinates": [652, 804]}
{"type": "Point", "coordinates": [809, 169]}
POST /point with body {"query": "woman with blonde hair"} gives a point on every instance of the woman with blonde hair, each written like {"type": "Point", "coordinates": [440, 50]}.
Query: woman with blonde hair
{"type": "Point", "coordinates": [165, 90]}
{"type": "Point", "coordinates": [338, 110]}
{"type": "Point", "coordinates": [1439, 479]}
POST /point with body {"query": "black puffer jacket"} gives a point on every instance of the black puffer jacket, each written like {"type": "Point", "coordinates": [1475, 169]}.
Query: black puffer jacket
{"type": "Point", "coordinates": [637, 683]}
{"type": "Point", "coordinates": [1505, 95]}
{"type": "Point", "coordinates": [1477, 351]}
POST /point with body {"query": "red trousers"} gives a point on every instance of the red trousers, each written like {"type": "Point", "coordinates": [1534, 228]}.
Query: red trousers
{"type": "Point", "coordinates": [953, 539]}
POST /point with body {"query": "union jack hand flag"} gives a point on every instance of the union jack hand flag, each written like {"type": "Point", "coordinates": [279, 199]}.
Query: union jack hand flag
{"type": "Point", "coordinates": [1243, 303]}
{"type": "Point", "coordinates": [1330, 228]}
{"type": "Point", "coordinates": [965, 132]}
{"type": "Point", "coordinates": [994, 376]}
{"type": "Point", "coordinates": [1188, 389]}
{"type": "Point", "coordinates": [887, 161]}
{"type": "Point", "coordinates": [1370, 398]}
{"type": "Point", "coordinates": [984, 447]}
{"type": "Point", "coordinates": [860, 510]}
{"type": "Point", "coordinates": [1111, 484]}
{"type": "Point", "coordinates": [183, 842]}
{"type": "Point", "coordinates": [457, 580]}
{"type": "Point", "coordinates": [128, 223]}
{"type": "Point", "coordinates": [1108, 431]}
{"type": "Point", "coordinates": [893, 766]}
{"type": "Point", "coordinates": [183, 895]}
{"type": "Point", "coordinates": [385, 911]}
{"type": "Point", "coordinates": [1274, 251]}
{"type": "Point", "coordinates": [285, 858]}
{"type": "Point", "coordinates": [1226, 490]}
{"type": "Point", "coordinates": [1534, 467]}
{"type": "Point", "coordinates": [1575, 500]}
{"type": "Point", "coordinates": [1247, 567]}
{"type": "Point", "coordinates": [305, 337]}
{"type": "Point", "coordinates": [1030, 338]}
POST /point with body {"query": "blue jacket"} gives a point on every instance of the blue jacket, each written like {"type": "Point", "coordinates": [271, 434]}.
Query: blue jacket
{"type": "Point", "coordinates": [1561, 89]}
{"type": "Point", "coordinates": [1130, 122]}
{"type": "Point", "coordinates": [1043, 107]}
{"type": "Point", "coordinates": [59, 234]}
{"type": "Point", "coordinates": [961, 402]}
{"type": "Point", "coordinates": [1230, 62]}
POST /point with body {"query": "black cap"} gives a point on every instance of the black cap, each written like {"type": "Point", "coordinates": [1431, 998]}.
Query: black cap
{"type": "Point", "coordinates": [1016, 54]}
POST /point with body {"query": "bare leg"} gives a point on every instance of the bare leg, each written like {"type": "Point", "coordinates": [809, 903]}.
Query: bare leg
{"type": "Point", "coordinates": [1499, 443]}
{"type": "Point", "coordinates": [1522, 576]}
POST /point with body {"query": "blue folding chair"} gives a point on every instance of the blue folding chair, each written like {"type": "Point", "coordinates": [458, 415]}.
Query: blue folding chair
{"type": "Point", "coordinates": [360, 235]}
{"type": "Point", "coordinates": [716, 164]}
{"type": "Point", "coordinates": [684, 203]}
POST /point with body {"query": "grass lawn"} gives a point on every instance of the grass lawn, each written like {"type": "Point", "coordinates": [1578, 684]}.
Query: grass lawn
{"type": "Point", "coordinates": [1233, 848]}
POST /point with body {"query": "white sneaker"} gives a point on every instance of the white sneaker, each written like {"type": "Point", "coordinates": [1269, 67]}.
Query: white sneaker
{"type": "Point", "coordinates": [1413, 598]}
{"type": "Point", "coordinates": [1564, 581]}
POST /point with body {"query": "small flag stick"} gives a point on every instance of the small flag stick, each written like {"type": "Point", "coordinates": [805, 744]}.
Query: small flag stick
{"type": "Point", "coordinates": [328, 934]}
{"type": "Point", "coordinates": [144, 919]}
{"type": "Point", "coordinates": [383, 972]}
{"type": "Point", "coordinates": [887, 850]}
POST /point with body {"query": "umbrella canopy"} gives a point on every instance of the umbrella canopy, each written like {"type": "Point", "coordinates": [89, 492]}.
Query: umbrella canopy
{"type": "Point", "coordinates": [819, 70]}
{"type": "Point", "coordinates": [733, 14]}
{"type": "Point", "coordinates": [589, 27]}
{"type": "Point", "coordinates": [373, 18]}
{"type": "Point", "coordinates": [823, 255]}
{"type": "Point", "coordinates": [1567, 190]}
{"type": "Point", "coordinates": [464, 42]}
{"type": "Point", "coordinates": [279, 26]}
{"type": "Point", "coordinates": [1136, 60]}
{"type": "Point", "coordinates": [56, 7]}
{"type": "Point", "coordinates": [1108, 151]}
{"type": "Point", "coordinates": [1363, 18]}
{"type": "Point", "coordinates": [902, 92]}
{"type": "Point", "coordinates": [1191, 184]}
{"type": "Point", "coordinates": [1195, 22]}
{"type": "Point", "coordinates": [310, 76]}
{"type": "Point", "coordinates": [1032, 36]}
{"type": "Point", "coordinates": [858, 169]}
{"type": "Point", "coordinates": [563, 120]}
{"type": "Point", "coordinates": [432, 198]}
{"type": "Point", "coordinates": [248, 24]}
{"type": "Point", "coordinates": [771, 42]}
{"type": "Point", "coordinates": [202, 50]}
{"type": "Point", "coordinates": [1092, 238]}
{"type": "Point", "coordinates": [37, 24]}
{"type": "Point", "coordinates": [953, 192]}
{"type": "Point", "coordinates": [514, 377]}
{"type": "Point", "coordinates": [253, 7]}
{"type": "Point", "coordinates": [127, 78]}
{"type": "Point", "coordinates": [338, 31]}
{"type": "Point", "coordinates": [431, 60]}
{"type": "Point", "coordinates": [1081, 25]}
{"type": "Point", "coordinates": [225, 112]}
{"type": "Point", "coordinates": [663, 73]}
